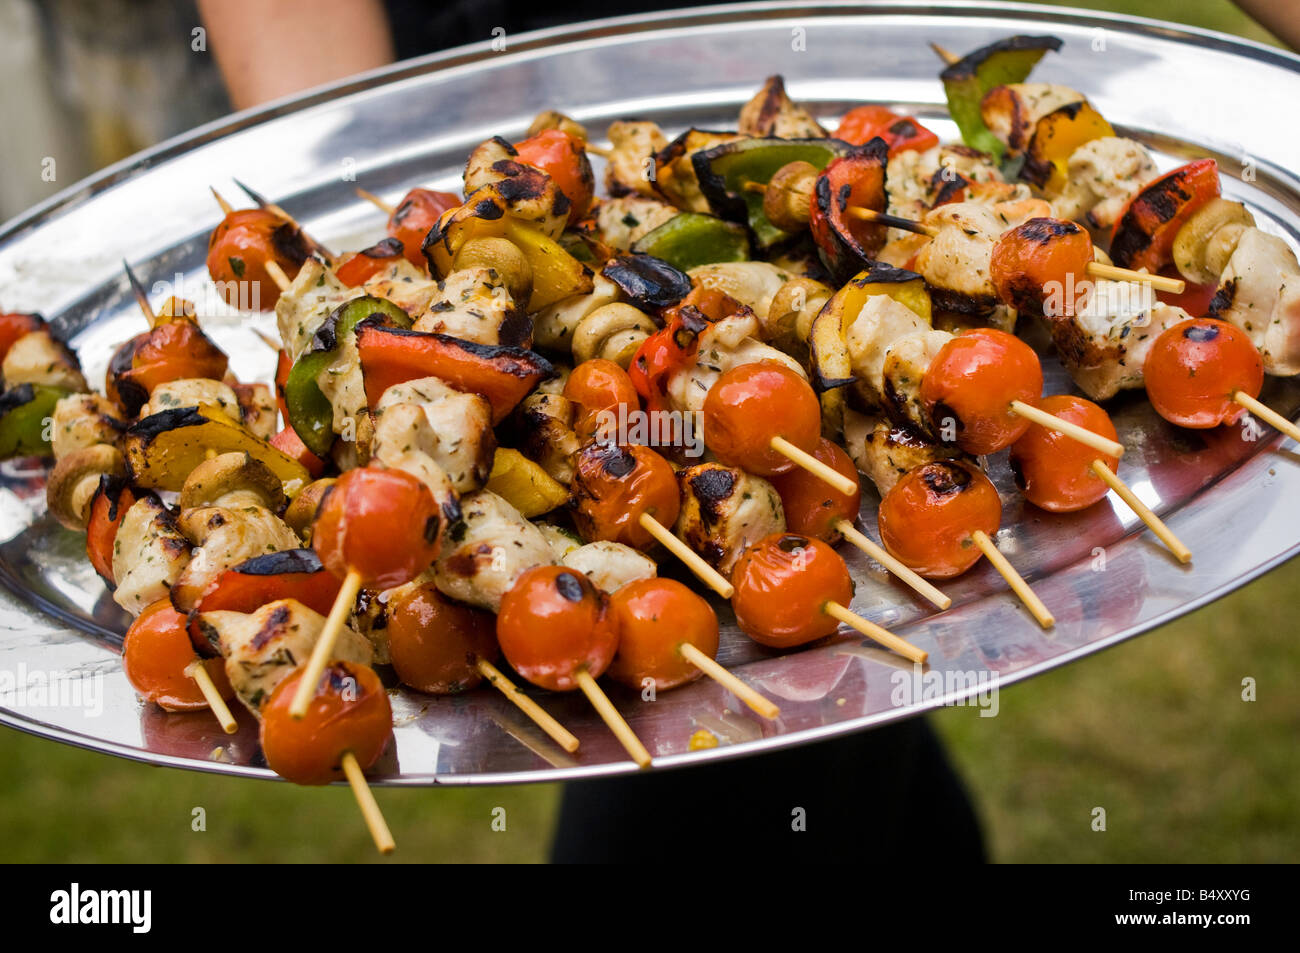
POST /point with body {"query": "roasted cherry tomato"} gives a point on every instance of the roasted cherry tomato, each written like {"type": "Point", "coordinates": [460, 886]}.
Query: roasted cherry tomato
{"type": "Point", "coordinates": [359, 268]}
{"type": "Point", "coordinates": [414, 216]}
{"type": "Point", "coordinates": [107, 510]}
{"type": "Point", "coordinates": [349, 713]}
{"type": "Point", "coordinates": [1054, 471]}
{"type": "Point", "coordinates": [552, 623]}
{"type": "Point", "coordinates": [929, 518]}
{"type": "Point", "coordinates": [155, 655]}
{"type": "Point", "coordinates": [15, 325]}
{"type": "Point", "coordinates": [1041, 267]}
{"type": "Point", "coordinates": [812, 506]}
{"type": "Point", "coordinates": [1143, 236]}
{"type": "Point", "coordinates": [383, 524]}
{"type": "Point", "coordinates": [564, 158]}
{"type": "Point", "coordinates": [972, 382]}
{"type": "Point", "coordinates": [171, 351]}
{"type": "Point", "coordinates": [668, 350]}
{"type": "Point", "coordinates": [752, 403]}
{"type": "Point", "coordinates": [1194, 368]}
{"type": "Point", "coordinates": [900, 133]}
{"type": "Point", "coordinates": [600, 387]}
{"type": "Point", "coordinates": [783, 584]}
{"type": "Point", "coordinates": [653, 617]}
{"type": "Point", "coordinates": [613, 486]}
{"type": "Point", "coordinates": [239, 249]}
{"type": "Point", "coordinates": [436, 643]}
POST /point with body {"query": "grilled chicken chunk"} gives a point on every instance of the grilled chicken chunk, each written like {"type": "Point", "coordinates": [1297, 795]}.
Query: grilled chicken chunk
{"type": "Point", "coordinates": [918, 181]}
{"type": "Point", "coordinates": [1102, 175]}
{"type": "Point", "coordinates": [488, 550]}
{"type": "Point", "coordinates": [752, 283]}
{"type": "Point", "coordinates": [474, 305]}
{"type": "Point", "coordinates": [263, 648]}
{"type": "Point", "coordinates": [38, 357]}
{"type": "Point", "coordinates": [303, 307]}
{"type": "Point", "coordinates": [772, 113]}
{"type": "Point", "coordinates": [890, 346]}
{"type": "Point", "coordinates": [621, 222]}
{"type": "Point", "coordinates": [884, 450]}
{"type": "Point", "coordinates": [452, 428]}
{"type": "Point", "coordinates": [83, 420]}
{"type": "Point", "coordinates": [627, 169]}
{"type": "Point", "coordinates": [724, 511]}
{"type": "Point", "coordinates": [149, 554]}
{"type": "Point", "coordinates": [955, 263]}
{"type": "Point", "coordinates": [405, 285]}
{"type": "Point", "coordinates": [609, 565]}
{"type": "Point", "coordinates": [259, 409]}
{"type": "Point", "coordinates": [1012, 111]}
{"type": "Point", "coordinates": [543, 432]}
{"type": "Point", "coordinates": [1260, 293]}
{"type": "Point", "coordinates": [224, 537]}
{"type": "Point", "coordinates": [193, 392]}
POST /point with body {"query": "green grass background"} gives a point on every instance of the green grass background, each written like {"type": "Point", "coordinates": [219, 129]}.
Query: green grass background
{"type": "Point", "coordinates": [1155, 731]}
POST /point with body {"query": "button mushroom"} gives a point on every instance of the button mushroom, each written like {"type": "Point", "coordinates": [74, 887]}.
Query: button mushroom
{"type": "Point", "coordinates": [73, 480]}
{"type": "Point", "coordinates": [232, 480]}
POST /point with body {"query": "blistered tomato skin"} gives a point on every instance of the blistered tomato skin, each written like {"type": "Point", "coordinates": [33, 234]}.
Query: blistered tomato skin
{"type": "Point", "coordinates": [414, 216]}
{"type": "Point", "coordinates": [1040, 267]}
{"type": "Point", "coordinates": [971, 383]}
{"type": "Point", "coordinates": [155, 654]}
{"type": "Point", "coordinates": [600, 387]}
{"type": "Point", "coordinates": [435, 643]}
{"type": "Point", "coordinates": [1195, 367]}
{"type": "Point", "coordinates": [613, 486]}
{"type": "Point", "coordinates": [239, 249]}
{"type": "Point", "coordinates": [552, 623]}
{"type": "Point", "coordinates": [652, 618]}
{"type": "Point", "coordinates": [384, 524]}
{"type": "Point", "coordinates": [752, 403]}
{"type": "Point", "coordinates": [812, 506]}
{"type": "Point", "coordinates": [1053, 471]}
{"type": "Point", "coordinates": [928, 519]}
{"type": "Point", "coordinates": [349, 713]}
{"type": "Point", "coordinates": [783, 584]}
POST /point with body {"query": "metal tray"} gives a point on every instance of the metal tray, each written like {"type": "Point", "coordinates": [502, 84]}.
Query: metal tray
{"type": "Point", "coordinates": [1230, 499]}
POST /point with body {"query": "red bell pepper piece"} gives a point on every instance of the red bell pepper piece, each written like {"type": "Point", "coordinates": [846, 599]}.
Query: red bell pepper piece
{"type": "Point", "coordinates": [901, 133]}
{"type": "Point", "coordinates": [290, 444]}
{"type": "Point", "coordinates": [365, 264]}
{"type": "Point", "coordinates": [675, 345]}
{"type": "Point", "coordinates": [848, 244]}
{"type": "Point", "coordinates": [107, 509]}
{"type": "Point", "coordinates": [1144, 233]}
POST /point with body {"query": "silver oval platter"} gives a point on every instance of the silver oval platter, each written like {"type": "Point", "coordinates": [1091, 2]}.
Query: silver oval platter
{"type": "Point", "coordinates": [1232, 500]}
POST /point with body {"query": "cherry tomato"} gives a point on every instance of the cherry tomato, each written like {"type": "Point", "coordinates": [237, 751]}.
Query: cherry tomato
{"type": "Point", "coordinates": [414, 216]}
{"type": "Point", "coordinates": [598, 386]}
{"type": "Point", "coordinates": [174, 350]}
{"type": "Point", "coordinates": [783, 583]}
{"type": "Point", "coordinates": [384, 524]}
{"type": "Point", "coordinates": [812, 506]}
{"type": "Point", "coordinates": [15, 325]}
{"type": "Point", "coordinates": [928, 519]}
{"type": "Point", "coordinates": [1143, 236]}
{"type": "Point", "coordinates": [1040, 267]}
{"type": "Point", "coordinates": [239, 249]}
{"type": "Point", "coordinates": [613, 486]}
{"type": "Point", "coordinates": [155, 654]}
{"type": "Point", "coordinates": [359, 268]}
{"type": "Point", "coordinates": [564, 158]}
{"type": "Point", "coordinates": [107, 510]}
{"type": "Point", "coordinates": [436, 643]}
{"type": "Point", "coordinates": [552, 623]}
{"type": "Point", "coordinates": [752, 403]}
{"type": "Point", "coordinates": [282, 368]}
{"type": "Point", "coordinates": [349, 713]}
{"type": "Point", "coordinates": [901, 133]}
{"type": "Point", "coordinates": [652, 618]}
{"type": "Point", "coordinates": [1194, 368]}
{"type": "Point", "coordinates": [1052, 470]}
{"type": "Point", "coordinates": [972, 382]}
{"type": "Point", "coordinates": [668, 350]}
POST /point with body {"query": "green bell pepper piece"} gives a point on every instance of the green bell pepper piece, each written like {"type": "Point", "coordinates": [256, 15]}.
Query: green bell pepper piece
{"type": "Point", "coordinates": [691, 239]}
{"type": "Point", "coordinates": [999, 64]}
{"type": "Point", "coordinates": [24, 411]}
{"type": "Point", "coordinates": [310, 413]}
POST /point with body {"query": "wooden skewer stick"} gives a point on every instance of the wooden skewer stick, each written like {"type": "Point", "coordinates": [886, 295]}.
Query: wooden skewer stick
{"type": "Point", "coordinates": [706, 573]}
{"type": "Point", "coordinates": [199, 672]}
{"type": "Point", "coordinates": [369, 807]}
{"type": "Point", "coordinates": [876, 633]}
{"type": "Point", "coordinates": [1143, 511]}
{"type": "Point", "coordinates": [1083, 435]}
{"type": "Point", "coordinates": [814, 466]}
{"type": "Point", "coordinates": [1095, 269]}
{"type": "Point", "coordinates": [376, 201]}
{"type": "Point", "coordinates": [756, 700]}
{"type": "Point", "coordinates": [277, 274]}
{"type": "Point", "coordinates": [226, 207]}
{"type": "Point", "coordinates": [609, 714]}
{"type": "Point", "coordinates": [266, 339]}
{"type": "Point", "coordinates": [603, 151]}
{"type": "Point", "coordinates": [274, 209]}
{"type": "Point", "coordinates": [1267, 414]}
{"type": "Point", "coordinates": [1014, 579]}
{"type": "Point", "coordinates": [559, 734]}
{"type": "Point", "coordinates": [323, 650]}
{"type": "Point", "coordinates": [946, 55]}
{"type": "Point", "coordinates": [141, 297]}
{"type": "Point", "coordinates": [881, 555]}
{"type": "Point", "coordinates": [756, 187]}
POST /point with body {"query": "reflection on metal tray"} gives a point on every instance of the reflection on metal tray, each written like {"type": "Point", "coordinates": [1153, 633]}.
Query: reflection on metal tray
{"type": "Point", "coordinates": [1229, 499]}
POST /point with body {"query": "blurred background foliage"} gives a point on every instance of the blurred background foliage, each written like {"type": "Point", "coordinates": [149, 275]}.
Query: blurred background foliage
{"type": "Point", "coordinates": [1155, 731]}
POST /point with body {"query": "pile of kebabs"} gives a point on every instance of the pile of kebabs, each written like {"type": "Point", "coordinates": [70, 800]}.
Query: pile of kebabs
{"type": "Point", "coordinates": [453, 467]}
